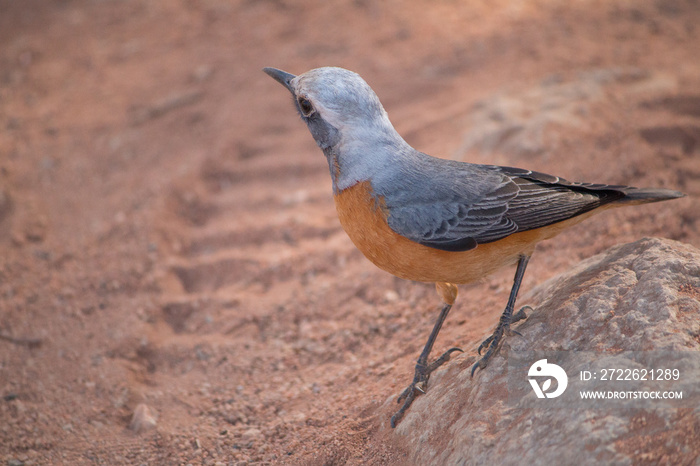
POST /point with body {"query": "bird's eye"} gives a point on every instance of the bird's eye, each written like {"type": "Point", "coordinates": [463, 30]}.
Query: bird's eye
{"type": "Point", "coordinates": [306, 108]}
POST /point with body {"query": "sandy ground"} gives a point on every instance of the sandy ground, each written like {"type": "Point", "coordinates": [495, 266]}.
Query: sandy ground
{"type": "Point", "coordinates": [167, 232]}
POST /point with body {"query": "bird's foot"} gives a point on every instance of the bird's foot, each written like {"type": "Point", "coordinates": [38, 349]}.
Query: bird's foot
{"type": "Point", "coordinates": [419, 384]}
{"type": "Point", "coordinates": [492, 343]}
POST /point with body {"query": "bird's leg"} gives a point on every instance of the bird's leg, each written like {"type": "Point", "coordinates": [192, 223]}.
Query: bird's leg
{"type": "Point", "coordinates": [493, 342]}
{"type": "Point", "coordinates": [423, 369]}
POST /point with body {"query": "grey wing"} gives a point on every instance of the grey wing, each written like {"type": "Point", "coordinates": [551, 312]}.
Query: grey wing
{"type": "Point", "coordinates": [459, 217]}
{"type": "Point", "coordinates": [452, 222]}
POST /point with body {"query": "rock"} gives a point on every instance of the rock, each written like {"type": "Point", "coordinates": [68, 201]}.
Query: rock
{"type": "Point", "coordinates": [143, 419]}
{"type": "Point", "coordinates": [636, 306]}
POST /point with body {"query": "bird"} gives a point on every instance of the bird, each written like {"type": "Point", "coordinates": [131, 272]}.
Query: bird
{"type": "Point", "coordinates": [436, 220]}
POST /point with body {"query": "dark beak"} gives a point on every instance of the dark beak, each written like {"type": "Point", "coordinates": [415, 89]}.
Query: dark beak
{"type": "Point", "coordinates": [281, 77]}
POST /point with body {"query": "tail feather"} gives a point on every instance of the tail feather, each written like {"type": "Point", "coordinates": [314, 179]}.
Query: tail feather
{"type": "Point", "coordinates": [647, 195]}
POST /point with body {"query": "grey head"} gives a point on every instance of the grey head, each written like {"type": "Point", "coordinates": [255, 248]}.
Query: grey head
{"type": "Point", "coordinates": [347, 121]}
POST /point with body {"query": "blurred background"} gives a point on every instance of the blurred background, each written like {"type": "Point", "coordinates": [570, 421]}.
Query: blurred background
{"type": "Point", "coordinates": [167, 233]}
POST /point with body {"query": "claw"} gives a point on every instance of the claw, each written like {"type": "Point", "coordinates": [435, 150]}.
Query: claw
{"type": "Point", "coordinates": [420, 383]}
{"type": "Point", "coordinates": [403, 394]}
{"type": "Point", "coordinates": [477, 365]}
{"type": "Point", "coordinates": [493, 342]}
{"type": "Point", "coordinates": [484, 344]}
{"type": "Point", "coordinates": [399, 414]}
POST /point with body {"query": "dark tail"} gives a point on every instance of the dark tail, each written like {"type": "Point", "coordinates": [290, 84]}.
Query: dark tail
{"type": "Point", "coordinates": [647, 195]}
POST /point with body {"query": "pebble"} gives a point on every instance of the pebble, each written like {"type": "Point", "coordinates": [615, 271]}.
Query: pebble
{"type": "Point", "coordinates": [143, 419]}
{"type": "Point", "coordinates": [252, 434]}
{"type": "Point", "coordinates": [391, 296]}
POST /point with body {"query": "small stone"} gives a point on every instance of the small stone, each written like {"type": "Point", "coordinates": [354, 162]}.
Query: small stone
{"type": "Point", "coordinates": [252, 434]}
{"type": "Point", "coordinates": [391, 296]}
{"type": "Point", "coordinates": [143, 419]}
{"type": "Point", "coordinates": [35, 229]}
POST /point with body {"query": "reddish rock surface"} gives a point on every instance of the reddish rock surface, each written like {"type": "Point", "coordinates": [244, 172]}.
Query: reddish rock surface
{"type": "Point", "coordinates": [627, 309]}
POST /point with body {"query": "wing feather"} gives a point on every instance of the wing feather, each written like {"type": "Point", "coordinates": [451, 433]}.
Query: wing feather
{"type": "Point", "coordinates": [455, 215]}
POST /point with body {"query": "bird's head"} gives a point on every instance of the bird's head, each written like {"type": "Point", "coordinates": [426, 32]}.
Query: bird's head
{"type": "Point", "coordinates": [336, 104]}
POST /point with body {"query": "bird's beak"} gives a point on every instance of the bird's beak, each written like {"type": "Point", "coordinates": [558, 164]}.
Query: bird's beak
{"type": "Point", "coordinates": [281, 77]}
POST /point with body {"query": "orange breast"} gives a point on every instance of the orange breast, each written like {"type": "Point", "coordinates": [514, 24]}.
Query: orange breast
{"type": "Point", "coordinates": [364, 218]}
